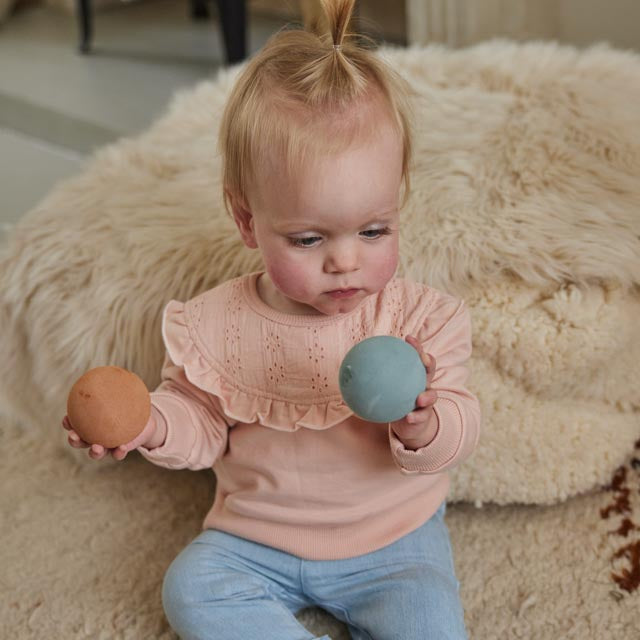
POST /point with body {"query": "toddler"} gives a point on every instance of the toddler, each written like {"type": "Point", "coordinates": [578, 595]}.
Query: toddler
{"type": "Point", "coordinates": [314, 506]}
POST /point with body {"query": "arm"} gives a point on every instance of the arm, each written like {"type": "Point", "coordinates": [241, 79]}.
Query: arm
{"type": "Point", "coordinates": [191, 429]}
{"type": "Point", "coordinates": [444, 430]}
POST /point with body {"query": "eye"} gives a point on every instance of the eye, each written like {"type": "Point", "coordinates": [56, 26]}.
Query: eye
{"type": "Point", "coordinates": [304, 242]}
{"type": "Point", "coordinates": [312, 241]}
{"type": "Point", "coordinates": [377, 233]}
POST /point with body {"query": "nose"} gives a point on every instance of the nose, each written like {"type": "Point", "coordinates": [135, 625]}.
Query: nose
{"type": "Point", "coordinates": [342, 257]}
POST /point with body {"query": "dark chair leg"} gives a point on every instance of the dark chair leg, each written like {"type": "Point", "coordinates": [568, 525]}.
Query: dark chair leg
{"type": "Point", "coordinates": [85, 22]}
{"type": "Point", "coordinates": [199, 9]}
{"type": "Point", "coordinates": [233, 18]}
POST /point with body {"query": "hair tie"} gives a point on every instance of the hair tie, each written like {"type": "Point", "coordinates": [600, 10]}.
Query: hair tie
{"type": "Point", "coordinates": [337, 47]}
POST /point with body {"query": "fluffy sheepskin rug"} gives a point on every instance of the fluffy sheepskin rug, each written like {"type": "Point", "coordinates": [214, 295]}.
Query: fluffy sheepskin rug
{"type": "Point", "coordinates": [526, 201]}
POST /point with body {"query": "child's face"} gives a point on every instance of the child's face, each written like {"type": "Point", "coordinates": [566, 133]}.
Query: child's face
{"type": "Point", "coordinates": [335, 228]}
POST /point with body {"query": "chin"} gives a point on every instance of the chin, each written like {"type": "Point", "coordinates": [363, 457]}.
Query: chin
{"type": "Point", "coordinates": [329, 307]}
{"type": "Point", "coordinates": [344, 306]}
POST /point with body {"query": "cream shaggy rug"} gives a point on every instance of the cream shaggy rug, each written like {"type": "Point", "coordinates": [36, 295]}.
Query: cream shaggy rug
{"type": "Point", "coordinates": [85, 547]}
{"type": "Point", "coordinates": [526, 202]}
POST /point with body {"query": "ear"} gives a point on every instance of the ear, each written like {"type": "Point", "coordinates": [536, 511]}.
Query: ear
{"type": "Point", "coordinates": [244, 219]}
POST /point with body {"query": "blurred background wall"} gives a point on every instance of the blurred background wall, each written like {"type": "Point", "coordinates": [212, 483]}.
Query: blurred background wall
{"type": "Point", "coordinates": [457, 23]}
{"type": "Point", "coordinates": [58, 106]}
{"type": "Point", "coordinates": [578, 22]}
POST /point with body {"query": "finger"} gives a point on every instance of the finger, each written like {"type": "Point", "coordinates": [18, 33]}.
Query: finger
{"type": "Point", "coordinates": [426, 398]}
{"type": "Point", "coordinates": [430, 362]}
{"type": "Point", "coordinates": [431, 369]}
{"type": "Point", "coordinates": [427, 360]}
{"type": "Point", "coordinates": [97, 451]}
{"type": "Point", "coordinates": [413, 341]}
{"type": "Point", "coordinates": [417, 417]}
{"type": "Point", "coordinates": [65, 423]}
{"type": "Point", "coordinates": [76, 441]}
{"type": "Point", "coordinates": [119, 453]}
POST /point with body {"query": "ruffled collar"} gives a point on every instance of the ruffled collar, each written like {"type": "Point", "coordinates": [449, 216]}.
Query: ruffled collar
{"type": "Point", "coordinates": [277, 369]}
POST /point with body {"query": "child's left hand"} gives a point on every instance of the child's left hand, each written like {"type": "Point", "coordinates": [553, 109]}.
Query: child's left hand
{"type": "Point", "coordinates": [413, 429]}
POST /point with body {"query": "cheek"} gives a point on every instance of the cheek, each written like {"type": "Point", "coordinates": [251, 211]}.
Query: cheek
{"type": "Point", "coordinates": [385, 265]}
{"type": "Point", "coordinates": [287, 275]}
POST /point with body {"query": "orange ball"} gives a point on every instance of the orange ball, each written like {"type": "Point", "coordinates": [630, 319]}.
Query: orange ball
{"type": "Point", "coordinates": [108, 406]}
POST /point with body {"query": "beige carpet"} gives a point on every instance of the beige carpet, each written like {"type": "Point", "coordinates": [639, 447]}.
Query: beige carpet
{"type": "Point", "coordinates": [84, 549]}
{"type": "Point", "coordinates": [526, 201]}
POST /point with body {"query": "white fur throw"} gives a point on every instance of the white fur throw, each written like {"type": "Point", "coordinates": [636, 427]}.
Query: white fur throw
{"type": "Point", "coordinates": [526, 201]}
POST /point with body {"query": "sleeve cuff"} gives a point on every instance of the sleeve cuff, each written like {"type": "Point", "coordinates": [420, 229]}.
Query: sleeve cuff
{"type": "Point", "coordinates": [167, 454]}
{"type": "Point", "coordinates": [435, 456]}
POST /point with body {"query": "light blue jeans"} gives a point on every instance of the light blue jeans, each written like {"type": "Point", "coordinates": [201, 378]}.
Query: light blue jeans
{"type": "Point", "coordinates": [222, 587]}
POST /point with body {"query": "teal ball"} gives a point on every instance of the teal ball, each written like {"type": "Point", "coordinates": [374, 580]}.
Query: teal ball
{"type": "Point", "coordinates": [381, 377]}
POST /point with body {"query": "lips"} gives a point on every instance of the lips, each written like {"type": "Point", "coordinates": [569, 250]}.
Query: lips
{"type": "Point", "coordinates": [342, 293]}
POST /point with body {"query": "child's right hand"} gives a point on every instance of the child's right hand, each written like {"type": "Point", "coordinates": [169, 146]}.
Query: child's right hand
{"type": "Point", "coordinates": [97, 451]}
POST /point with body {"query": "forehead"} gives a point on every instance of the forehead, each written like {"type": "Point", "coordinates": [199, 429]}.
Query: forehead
{"type": "Point", "coordinates": [334, 221]}
{"type": "Point", "coordinates": [356, 185]}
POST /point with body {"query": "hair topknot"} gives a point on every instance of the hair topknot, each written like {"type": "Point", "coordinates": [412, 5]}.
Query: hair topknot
{"type": "Point", "coordinates": [339, 16]}
{"type": "Point", "coordinates": [301, 82]}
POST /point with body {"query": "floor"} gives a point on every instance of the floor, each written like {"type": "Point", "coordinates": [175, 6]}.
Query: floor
{"type": "Point", "coordinates": [57, 106]}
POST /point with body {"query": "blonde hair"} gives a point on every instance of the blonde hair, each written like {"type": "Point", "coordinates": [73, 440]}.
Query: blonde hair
{"type": "Point", "coordinates": [299, 84]}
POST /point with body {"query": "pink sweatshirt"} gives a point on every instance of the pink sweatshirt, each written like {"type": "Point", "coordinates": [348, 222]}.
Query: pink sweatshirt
{"type": "Point", "coordinates": [253, 393]}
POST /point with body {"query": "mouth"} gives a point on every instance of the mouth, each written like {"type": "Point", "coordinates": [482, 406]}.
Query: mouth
{"type": "Point", "coordinates": [342, 293]}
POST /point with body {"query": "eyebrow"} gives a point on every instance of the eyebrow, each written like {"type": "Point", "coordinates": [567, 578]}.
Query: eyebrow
{"type": "Point", "coordinates": [302, 225]}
